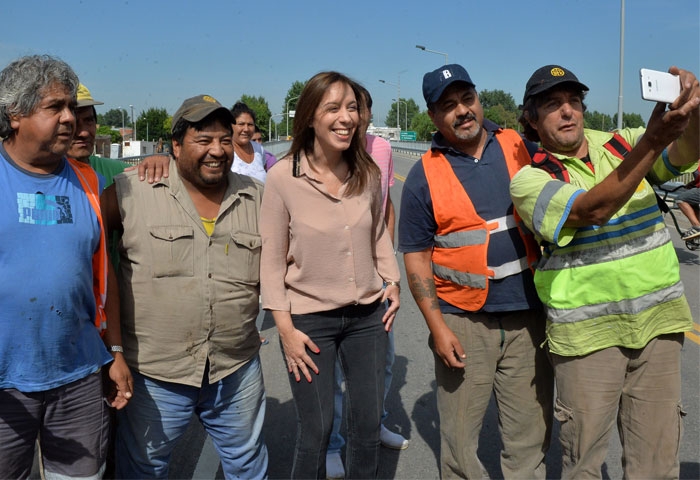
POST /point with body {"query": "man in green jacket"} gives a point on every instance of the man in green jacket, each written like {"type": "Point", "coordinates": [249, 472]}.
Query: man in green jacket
{"type": "Point", "coordinates": [609, 276]}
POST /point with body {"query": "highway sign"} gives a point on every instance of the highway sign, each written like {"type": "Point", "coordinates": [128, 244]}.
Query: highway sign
{"type": "Point", "coordinates": [407, 136]}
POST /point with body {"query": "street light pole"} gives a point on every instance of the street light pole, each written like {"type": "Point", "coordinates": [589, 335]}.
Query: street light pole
{"type": "Point", "coordinates": [405, 113]}
{"type": "Point", "coordinates": [122, 110]}
{"type": "Point", "coordinates": [294, 98]}
{"type": "Point", "coordinates": [133, 124]}
{"type": "Point", "coordinates": [422, 47]}
{"type": "Point", "coordinates": [622, 63]}
{"type": "Point", "coordinates": [398, 90]}
{"type": "Point", "coordinates": [269, 126]}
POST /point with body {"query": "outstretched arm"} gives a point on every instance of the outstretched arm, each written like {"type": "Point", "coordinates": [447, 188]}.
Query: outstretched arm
{"type": "Point", "coordinates": [665, 129]}
{"type": "Point", "coordinates": [153, 168]}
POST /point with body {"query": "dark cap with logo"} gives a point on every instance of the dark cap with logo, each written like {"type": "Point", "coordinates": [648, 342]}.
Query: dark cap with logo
{"type": "Point", "coordinates": [549, 76]}
{"type": "Point", "coordinates": [198, 108]}
{"type": "Point", "coordinates": [435, 82]}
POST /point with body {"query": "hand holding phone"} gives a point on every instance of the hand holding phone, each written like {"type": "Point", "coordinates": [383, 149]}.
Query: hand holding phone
{"type": "Point", "coordinates": [659, 86]}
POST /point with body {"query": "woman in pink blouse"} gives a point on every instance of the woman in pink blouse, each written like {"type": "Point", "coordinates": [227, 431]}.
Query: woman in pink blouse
{"type": "Point", "coordinates": [325, 260]}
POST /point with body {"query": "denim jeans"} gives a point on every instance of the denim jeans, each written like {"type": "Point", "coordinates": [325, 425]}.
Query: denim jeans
{"type": "Point", "coordinates": [231, 410]}
{"type": "Point", "coordinates": [337, 441]}
{"type": "Point", "coordinates": [355, 336]}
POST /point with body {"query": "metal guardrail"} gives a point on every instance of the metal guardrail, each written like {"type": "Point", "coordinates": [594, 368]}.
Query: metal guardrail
{"type": "Point", "coordinates": [281, 147]}
{"type": "Point", "coordinates": [135, 160]}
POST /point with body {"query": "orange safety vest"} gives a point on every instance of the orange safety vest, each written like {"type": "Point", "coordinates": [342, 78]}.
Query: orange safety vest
{"type": "Point", "coordinates": [459, 256]}
{"type": "Point", "coordinates": [91, 184]}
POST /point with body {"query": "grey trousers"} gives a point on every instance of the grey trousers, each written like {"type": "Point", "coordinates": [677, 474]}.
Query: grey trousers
{"type": "Point", "coordinates": [641, 388]}
{"type": "Point", "coordinates": [503, 357]}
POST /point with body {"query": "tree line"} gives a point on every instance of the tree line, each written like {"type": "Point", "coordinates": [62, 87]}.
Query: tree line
{"type": "Point", "coordinates": [499, 106]}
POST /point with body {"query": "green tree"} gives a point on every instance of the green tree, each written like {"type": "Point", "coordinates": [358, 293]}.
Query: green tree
{"type": "Point", "coordinates": [423, 126]}
{"type": "Point", "coordinates": [113, 118]}
{"type": "Point", "coordinates": [290, 101]}
{"type": "Point", "coordinates": [598, 121]}
{"type": "Point", "coordinates": [630, 120]}
{"type": "Point", "coordinates": [107, 130]}
{"type": "Point", "coordinates": [151, 125]}
{"type": "Point", "coordinates": [491, 98]}
{"type": "Point", "coordinates": [500, 108]}
{"type": "Point", "coordinates": [168, 125]}
{"type": "Point", "coordinates": [505, 118]}
{"type": "Point", "coordinates": [407, 110]}
{"type": "Point", "coordinates": [261, 109]}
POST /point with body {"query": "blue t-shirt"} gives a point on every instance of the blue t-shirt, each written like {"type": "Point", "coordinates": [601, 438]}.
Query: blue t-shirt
{"type": "Point", "coordinates": [486, 180]}
{"type": "Point", "coordinates": [49, 233]}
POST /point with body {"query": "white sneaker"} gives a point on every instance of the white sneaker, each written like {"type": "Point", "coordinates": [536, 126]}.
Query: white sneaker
{"type": "Point", "coordinates": [391, 440]}
{"type": "Point", "coordinates": [334, 466]}
{"type": "Point", "coordinates": [693, 232]}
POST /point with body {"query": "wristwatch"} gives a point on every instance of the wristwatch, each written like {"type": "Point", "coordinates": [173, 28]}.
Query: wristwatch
{"type": "Point", "coordinates": [116, 348]}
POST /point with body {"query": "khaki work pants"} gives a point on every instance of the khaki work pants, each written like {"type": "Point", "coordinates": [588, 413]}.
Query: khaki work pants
{"type": "Point", "coordinates": [639, 387]}
{"type": "Point", "coordinates": [503, 357]}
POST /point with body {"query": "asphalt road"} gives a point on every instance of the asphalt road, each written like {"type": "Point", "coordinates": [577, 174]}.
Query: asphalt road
{"type": "Point", "coordinates": [411, 400]}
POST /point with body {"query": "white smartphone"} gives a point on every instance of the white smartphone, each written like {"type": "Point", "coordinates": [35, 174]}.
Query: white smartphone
{"type": "Point", "coordinates": [659, 86]}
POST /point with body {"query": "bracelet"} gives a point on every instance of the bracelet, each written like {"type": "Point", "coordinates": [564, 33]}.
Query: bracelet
{"type": "Point", "coordinates": [396, 284]}
{"type": "Point", "coordinates": [116, 348]}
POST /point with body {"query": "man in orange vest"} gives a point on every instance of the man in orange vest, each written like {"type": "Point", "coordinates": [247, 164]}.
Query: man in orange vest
{"type": "Point", "coordinates": [469, 265]}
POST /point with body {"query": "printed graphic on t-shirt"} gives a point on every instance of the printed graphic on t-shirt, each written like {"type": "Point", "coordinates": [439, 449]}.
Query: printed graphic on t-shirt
{"type": "Point", "coordinates": [40, 209]}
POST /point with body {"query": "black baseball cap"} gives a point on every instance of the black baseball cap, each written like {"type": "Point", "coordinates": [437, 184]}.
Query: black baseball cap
{"type": "Point", "coordinates": [549, 76]}
{"type": "Point", "coordinates": [435, 82]}
{"type": "Point", "coordinates": [197, 108]}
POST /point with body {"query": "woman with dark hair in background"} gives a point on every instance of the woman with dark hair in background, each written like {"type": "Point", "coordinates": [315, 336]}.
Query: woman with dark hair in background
{"type": "Point", "coordinates": [248, 156]}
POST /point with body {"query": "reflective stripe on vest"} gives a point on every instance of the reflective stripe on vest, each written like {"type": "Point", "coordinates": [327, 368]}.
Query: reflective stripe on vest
{"type": "Point", "coordinates": [459, 255]}
{"type": "Point", "coordinates": [636, 241]}
{"type": "Point", "coordinates": [91, 184]}
{"type": "Point", "coordinates": [628, 306]}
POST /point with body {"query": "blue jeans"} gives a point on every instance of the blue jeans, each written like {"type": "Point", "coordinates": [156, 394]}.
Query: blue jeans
{"type": "Point", "coordinates": [337, 441]}
{"type": "Point", "coordinates": [231, 410]}
{"type": "Point", "coordinates": [355, 336]}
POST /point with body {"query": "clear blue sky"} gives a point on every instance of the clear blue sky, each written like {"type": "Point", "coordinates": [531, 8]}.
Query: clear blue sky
{"type": "Point", "coordinates": [157, 53]}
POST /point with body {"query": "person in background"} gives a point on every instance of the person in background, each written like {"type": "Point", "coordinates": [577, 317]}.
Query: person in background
{"type": "Point", "coordinates": [380, 151]}
{"type": "Point", "coordinates": [55, 294]}
{"type": "Point", "coordinates": [83, 144]}
{"type": "Point", "coordinates": [82, 149]}
{"type": "Point", "coordinates": [688, 203]}
{"type": "Point", "coordinates": [249, 157]}
{"type": "Point", "coordinates": [609, 276]}
{"type": "Point", "coordinates": [469, 265]}
{"type": "Point", "coordinates": [270, 159]}
{"type": "Point", "coordinates": [189, 273]}
{"type": "Point", "coordinates": [257, 138]}
{"type": "Point", "coordinates": [326, 258]}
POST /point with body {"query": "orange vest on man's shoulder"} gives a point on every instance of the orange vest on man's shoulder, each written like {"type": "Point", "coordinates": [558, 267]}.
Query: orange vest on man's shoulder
{"type": "Point", "coordinates": [91, 184]}
{"type": "Point", "coordinates": [459, 257]}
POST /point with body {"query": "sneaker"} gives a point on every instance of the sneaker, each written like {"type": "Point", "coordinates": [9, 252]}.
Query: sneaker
{"type": "Point", "coordinates": [694, 232]}
{"type": "Point", "coordinates": [334, 466]}
{"type": "Point", "coordinates": [392, 440]}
